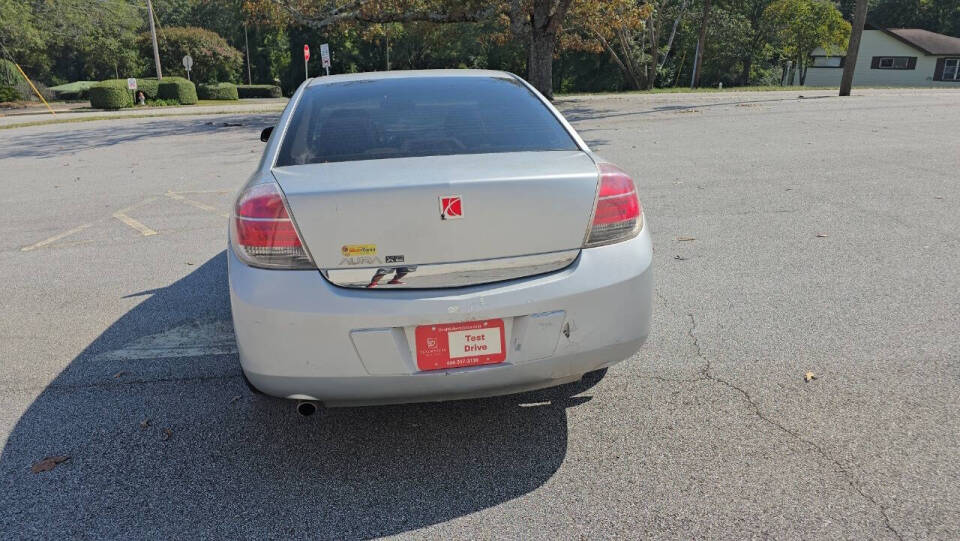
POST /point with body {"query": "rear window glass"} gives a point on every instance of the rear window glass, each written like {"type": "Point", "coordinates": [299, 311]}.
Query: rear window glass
{"type": "Point", "coordinates": [422, 116]}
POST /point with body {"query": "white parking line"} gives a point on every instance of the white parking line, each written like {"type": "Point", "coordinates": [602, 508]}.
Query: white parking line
{"type": "Point", "coordinates": [146, 231]}
{"type": "Point", "coordinates": [123, 217]}
{"type": "Point", "coordinates": [55, 238]}
{"type": "Point", "coordinates": [197, 204]}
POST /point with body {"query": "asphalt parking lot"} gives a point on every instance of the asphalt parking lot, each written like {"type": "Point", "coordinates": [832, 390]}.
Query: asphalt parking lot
{"type": "Point", "coordinates": [792, 235]}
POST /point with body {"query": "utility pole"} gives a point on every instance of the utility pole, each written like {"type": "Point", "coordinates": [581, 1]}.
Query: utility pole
{"type": "Point", "coordinates": [853, 48]}
{"type": "Point", "coordinates": [701, 45]}
{"type": "Point", "coordinates": [246, 43]}
{"type": "Point", "coordinates": [153, 37]}
{"type": "Point", "coordinates": [387, 33]}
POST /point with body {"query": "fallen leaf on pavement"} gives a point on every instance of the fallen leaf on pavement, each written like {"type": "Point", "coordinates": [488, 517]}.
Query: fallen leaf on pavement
{"type": "Point", "coordinates": [822, 235]}
{"type": "Point", "coordinates": [679, 258]}
{"type": "Point", "coordinates": [234, 399]}
{"type": "Point", "coordinates": [48, 463]}
{"type": "Point", "coordinates": [686, 239]}
{"type": "Point", "coordinates": [809, 376]}
{"type": "Point", "coordinates": [120, 373]}
{"type": "Point", "coordinates": [145, 423]}
{"type": "Point", "coordinates": [167, 434]}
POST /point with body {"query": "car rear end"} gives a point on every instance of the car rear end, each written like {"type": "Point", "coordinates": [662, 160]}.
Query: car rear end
{"type": "Point", "coordinates": [433, 236]}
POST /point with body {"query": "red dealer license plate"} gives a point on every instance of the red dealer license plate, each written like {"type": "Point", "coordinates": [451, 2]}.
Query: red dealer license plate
{"type": "Point", "coordinates": [455, 345]}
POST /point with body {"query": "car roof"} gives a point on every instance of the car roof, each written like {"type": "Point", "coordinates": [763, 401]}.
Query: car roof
{"type": "Point", "coordinates": [408, 74]}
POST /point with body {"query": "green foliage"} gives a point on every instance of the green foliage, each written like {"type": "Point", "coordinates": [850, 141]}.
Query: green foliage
{"type": "Point", "coordinates": [942, 16]}
{"type": "Point", "coordinates": [219, 91]}
{"type": "Point", "coordinates": [162, 103]}
{"type": "Point", "coordinates": [8, 93]}
{"type": "Point", "coordinates": [259, 91]}
{"type": "Point", "coordinates": [75, 91]}
{"type": "Point", "coordinates": [111, 94]}
{"type": "Point", "coordinates": [214, 60]}
{"type": "Point", "coordinates": [69, 40]}
{"type": "Point", "coordinates": [149, 86]}
{"type": "Point", "coordinates": [801, 26]}
{"type": "Point", "coordinates": [177, 88]}
{"type": "Point", "coordinates": [9, 74]}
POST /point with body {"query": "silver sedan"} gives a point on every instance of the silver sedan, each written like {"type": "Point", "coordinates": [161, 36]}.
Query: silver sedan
{"type": "Point", "coordinates": [432, 235]}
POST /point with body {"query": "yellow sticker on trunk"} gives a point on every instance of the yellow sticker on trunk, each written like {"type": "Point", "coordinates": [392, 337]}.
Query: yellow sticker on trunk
{"type": "Point", "coordinates": [350, 250]}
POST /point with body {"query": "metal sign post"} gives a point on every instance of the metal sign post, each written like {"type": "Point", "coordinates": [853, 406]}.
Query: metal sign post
{"type": "Point", "coordinates": [188, 65]}
{"type": "Point", "coordinates": [325, 56]}
{"type": "Point", "coordinates": [132, 87]}
{"type": "Point", "coordinates": [306, 58]}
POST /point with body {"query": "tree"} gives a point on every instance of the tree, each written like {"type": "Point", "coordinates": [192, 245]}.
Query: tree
{"type": "Point", "coordinates": [701, 44]}
{"type": "Point", "coordinates": [616, 27]}
{"type": "Point", "coordinates": [213, 59]}
{"type": "Point", "coordinates": [535, 22]}
{"type": "Point", "coordinates": [800, 26]}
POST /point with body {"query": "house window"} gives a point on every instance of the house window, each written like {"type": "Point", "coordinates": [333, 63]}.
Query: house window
{"type": "Point", "coordinates": [894, 62]}
{"type": "Point", "coordinates": [951, 69]}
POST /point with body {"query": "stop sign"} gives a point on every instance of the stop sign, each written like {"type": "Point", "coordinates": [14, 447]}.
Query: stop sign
{"type": "Point", "coordinates": [306, 52]}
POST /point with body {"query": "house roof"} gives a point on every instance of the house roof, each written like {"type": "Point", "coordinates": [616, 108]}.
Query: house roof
{"type": "Point", "coordinates": [929, 42]}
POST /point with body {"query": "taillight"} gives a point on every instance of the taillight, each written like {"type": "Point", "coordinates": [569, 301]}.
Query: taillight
{"type": "Point", "coordinates": [618, 215]}
{"type": "Point", "coordinates": [263, 233]}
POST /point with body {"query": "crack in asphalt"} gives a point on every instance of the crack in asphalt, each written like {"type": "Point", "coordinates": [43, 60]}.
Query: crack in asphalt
{"type": "Point", "coordinates": [707, 375]}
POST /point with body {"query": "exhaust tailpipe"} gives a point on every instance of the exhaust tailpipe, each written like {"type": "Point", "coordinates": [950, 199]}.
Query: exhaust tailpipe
{"type": "Point", "coordinates": [306, 408]}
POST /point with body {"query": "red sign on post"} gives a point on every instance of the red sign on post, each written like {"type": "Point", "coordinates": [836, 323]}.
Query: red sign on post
{"type": "Point", "coordinates": [306, 52]}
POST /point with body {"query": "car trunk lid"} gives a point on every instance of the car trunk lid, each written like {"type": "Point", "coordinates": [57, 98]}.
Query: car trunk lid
{"type": "Point", "coordinates": [441, 209]}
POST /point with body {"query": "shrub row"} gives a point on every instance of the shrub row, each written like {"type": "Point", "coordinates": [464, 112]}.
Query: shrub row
{"type": "Point", "coordinates": [177, 88]}
{"type": "Point", "coordinates": [111, 94]}
{"type": "Point", "coordinates": [259, 91]}
{"type": "Point", "coordinates": [149, 86]}
{"type": "Point", "coordinates": [219, 91]}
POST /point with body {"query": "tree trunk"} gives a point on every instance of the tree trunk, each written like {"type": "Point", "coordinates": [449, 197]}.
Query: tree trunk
{"type": "Point", "coordinates": [652, 66]}
{"type": "Point", "coordinates": [545, 19]}
{"type": "Point", "coordinates": [673, 33]}
{"type": "Point", "coordinates": [701, 43]}
{"type": "Point", "coordinates": [747, 66]}
{"type": "Point", "coordinates": [853, 48]}
{"type": "Point", "coordinates": [540, 63]}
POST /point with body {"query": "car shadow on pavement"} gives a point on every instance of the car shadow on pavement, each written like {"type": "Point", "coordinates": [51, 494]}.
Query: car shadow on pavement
{"type": "Point", "coordinates": [165, 440]}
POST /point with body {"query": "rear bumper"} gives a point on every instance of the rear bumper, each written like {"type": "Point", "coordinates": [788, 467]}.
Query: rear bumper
{"type": "Point", "coordinates": [301, 337]}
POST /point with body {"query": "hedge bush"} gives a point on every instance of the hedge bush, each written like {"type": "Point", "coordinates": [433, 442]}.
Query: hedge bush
{"type": "Point", "coordinates": [259, 91]}
{"type": "Point", "coordinates": [177, 88]}
{"type": "Point", "coordinates": [150, 87]}
{"type": "Point", "coordinates": [219, 91]}
{"type": "Point", "coordinates": [112, 94]}
{"type": "Point", "coordinates": [8, 93]}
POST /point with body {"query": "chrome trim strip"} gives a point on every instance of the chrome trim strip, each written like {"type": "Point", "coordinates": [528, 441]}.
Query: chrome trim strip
{"type": "Point", "coordinates": [459, 274]}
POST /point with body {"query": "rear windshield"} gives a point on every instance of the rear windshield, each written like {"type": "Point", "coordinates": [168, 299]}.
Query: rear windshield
{"type": "Point", "coordinates": [422, 116]}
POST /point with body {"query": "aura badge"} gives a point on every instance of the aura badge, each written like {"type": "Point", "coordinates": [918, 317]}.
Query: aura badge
{"type": "Point", "coordinates": [451, 207]}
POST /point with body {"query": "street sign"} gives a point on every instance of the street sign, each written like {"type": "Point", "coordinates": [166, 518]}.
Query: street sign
{"type": "Point", "coordinates": [325, 55]}
{"type": "Point", "coordinates": [188, 65]}
{"type": "Point", "coordinates": [306, 59]}
{"type": "Point", "coordinates": [132, 83]}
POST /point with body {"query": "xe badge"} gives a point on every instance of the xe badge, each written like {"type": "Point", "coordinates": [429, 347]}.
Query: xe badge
{"type": "Point", "coordinates": [451, 207]}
